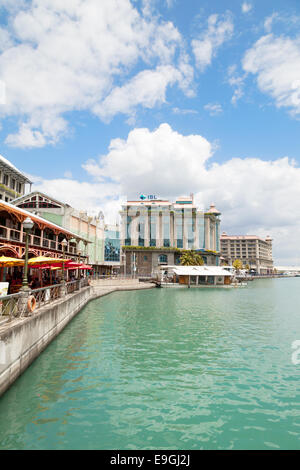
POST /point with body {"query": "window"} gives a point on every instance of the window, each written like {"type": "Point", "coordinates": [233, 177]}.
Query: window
{"type": "Point", "coordinates": [163, 259]}
{"type": "Point", "coordinates": [5, 180]}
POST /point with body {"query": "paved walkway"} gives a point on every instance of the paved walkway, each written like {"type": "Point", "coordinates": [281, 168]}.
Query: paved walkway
{"type": "Point", "coordinates": [106, 286]}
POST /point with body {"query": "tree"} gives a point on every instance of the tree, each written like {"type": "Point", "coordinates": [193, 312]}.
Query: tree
{"type": "Point", "coordinates": [247, 267]}
{"type": "Point", "coordinates": [237, 264]}
{"type": "Point", "coordinates": [191, 258]}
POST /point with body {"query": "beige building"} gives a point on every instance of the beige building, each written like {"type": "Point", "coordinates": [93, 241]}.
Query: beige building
{"type": "Point", "coordinates": [90, 229]}
{"type": "Point", "coordinates": [12, 181]}
{"type": "Point", "coordinates": [250, 249]}
{"type": "Point", "coordinates": [153, 232]}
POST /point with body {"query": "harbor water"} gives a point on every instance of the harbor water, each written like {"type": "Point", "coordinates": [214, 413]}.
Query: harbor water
{"type": "Point", "coordinates": [166, 369]}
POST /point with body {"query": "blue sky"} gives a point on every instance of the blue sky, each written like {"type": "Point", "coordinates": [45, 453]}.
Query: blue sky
{"type": "Point", "coordinates": [103, 100]}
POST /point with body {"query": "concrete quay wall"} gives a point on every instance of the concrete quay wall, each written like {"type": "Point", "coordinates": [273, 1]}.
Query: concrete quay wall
{"type": "Point", "coordinates": [23, 339]}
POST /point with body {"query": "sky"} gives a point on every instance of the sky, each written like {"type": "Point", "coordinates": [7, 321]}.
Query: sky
{"type": "Point", "coordinates": [104, 100]}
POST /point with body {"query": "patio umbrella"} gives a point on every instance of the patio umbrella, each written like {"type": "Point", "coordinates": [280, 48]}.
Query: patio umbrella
{"type": "Point", "coordinates": [45, 260]}
{"type": "Point", "coordinates": [6, 261]}
{"type": "Point", "coordinates": [85, 266]}
{"type": "Point", "coordinates": [72, 265]}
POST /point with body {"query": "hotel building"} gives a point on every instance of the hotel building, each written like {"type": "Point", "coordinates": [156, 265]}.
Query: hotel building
{"type": "Point", "coordinates": [154, 232]}
{"type": "Point", "coordinates": [253, 251]}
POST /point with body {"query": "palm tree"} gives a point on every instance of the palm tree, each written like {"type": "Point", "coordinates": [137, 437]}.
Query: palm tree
{"type": "Point", "coordinates": [191, 258]}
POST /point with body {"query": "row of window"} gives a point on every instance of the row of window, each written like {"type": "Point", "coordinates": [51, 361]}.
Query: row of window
{"type": "Point", "coordinates": [15, 185]}
{"type": "Point", "coordinates": [7, 199]}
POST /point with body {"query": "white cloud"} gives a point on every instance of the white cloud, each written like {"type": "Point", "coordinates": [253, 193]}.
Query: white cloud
{"type": "Point", "coordinates": [90, 197]}
{"type": "Point", "coordinates": [184, 111]}
{"type": "Point", "coordinates": [81, 55]}
{"type": "Point", "coordinates": [246, 7]}
{"type": "Point", "coordinates": [219, 30]}
{"type": "Point", "coordinates": [237, 82]}
{"type": "Point", "coordinates": [269, 21]}
{"type": "Point", "coordinates": [214, 109]}
{"type": "Point", "coordinates": [148, 88]}
{"type": "Point", "coordinates": [276, 63]}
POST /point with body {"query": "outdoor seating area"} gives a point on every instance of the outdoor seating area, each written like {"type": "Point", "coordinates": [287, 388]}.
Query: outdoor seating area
{"type": "Point", "coordinates": [42, 272]}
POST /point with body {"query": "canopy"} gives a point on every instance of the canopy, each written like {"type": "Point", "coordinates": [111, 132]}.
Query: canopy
{"type": "Point", "coordinates": [6, 261]}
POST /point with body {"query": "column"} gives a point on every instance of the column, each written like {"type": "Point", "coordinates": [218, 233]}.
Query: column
{"type": "Point", "coordinates": [134, 231]}
{"type": "Point", "coordinates": [207, 232]}
{"type": "Point", "coordinates": [147, 231]}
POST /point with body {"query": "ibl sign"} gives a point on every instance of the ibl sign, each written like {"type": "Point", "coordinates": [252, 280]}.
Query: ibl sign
{"type": "Point", "coordinates": [151, 197]}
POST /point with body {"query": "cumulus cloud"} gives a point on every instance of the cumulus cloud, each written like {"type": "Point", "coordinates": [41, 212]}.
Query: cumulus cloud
{"type": "Point", "coordinates": [220, 29]}
{"type": "Point", "coordinates": [82, 55]}
{"type": "Point", "coordinates": [148, 88]}
{"type": "Point", "coordinates": [276, 63]}
{"type": "Point", "coordinates": [85, 196]}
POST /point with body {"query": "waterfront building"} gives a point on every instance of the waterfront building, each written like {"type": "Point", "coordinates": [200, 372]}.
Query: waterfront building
{"type": "Point", "coordinates": [252, 250]}
{"type": "Point", "coordinates": [196, 276]}
{"type": "Point", "coordinates": [88, 228]}
{"type": "Point", "coordinates": [111, 249]}
{"type": "Point", "coordinates": [44, 240]}
{"type": "Point", "coordinates": [154, 232]}
{"type": "Point", "coordinates": [12, 181]}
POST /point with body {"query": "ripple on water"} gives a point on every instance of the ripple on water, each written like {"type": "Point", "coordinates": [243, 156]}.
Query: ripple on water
{"type": "Point", "coordinates": [165, 369]}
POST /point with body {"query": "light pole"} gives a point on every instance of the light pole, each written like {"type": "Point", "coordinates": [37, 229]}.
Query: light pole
{"type": "Point", "coordinates": [123, 262]}
{"type": "Point", "coordinates": [27, 227]}
{"type": "Point", "coordinates": [64, 243]}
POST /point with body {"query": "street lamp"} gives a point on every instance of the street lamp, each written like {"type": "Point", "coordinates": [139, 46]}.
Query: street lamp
{"type": "Point", "coordinates": [27, 227]}
{"type": "Point", "coordinates": [64, 244]}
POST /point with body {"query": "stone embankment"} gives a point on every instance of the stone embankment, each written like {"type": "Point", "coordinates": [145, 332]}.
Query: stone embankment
{"type": "Point", "coordinates": [23, 339]}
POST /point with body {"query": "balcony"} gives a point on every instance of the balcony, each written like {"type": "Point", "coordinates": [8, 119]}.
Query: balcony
{"type": "Point", "coordinates": [12, 235]}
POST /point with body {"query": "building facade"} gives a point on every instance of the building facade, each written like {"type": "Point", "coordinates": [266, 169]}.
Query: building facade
{"type": "Point", "coordinates": [112, 249]}
{"type": "Point", "coordinates": [90, 229]}
{"type": "Point", "coordinates": [252, 250]}
{"type": "Point", "coordinates": [155, 232]}
{"type": "Point", "coordinates": [44, 240]}
{"type": "Point", "coordinates": [12, 181]}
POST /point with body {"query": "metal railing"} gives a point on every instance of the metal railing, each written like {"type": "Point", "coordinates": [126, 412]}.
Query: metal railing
{"type": "Point", "coordinates": [17, 305]}
{"type": "Point", "coordinates": [46, 295]}
{"type": "Point", "coordinates": [10, 306]}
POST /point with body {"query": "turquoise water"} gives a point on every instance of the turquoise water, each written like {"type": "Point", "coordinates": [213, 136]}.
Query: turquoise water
{"type": "Point", "coordinates": [166, 369]}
